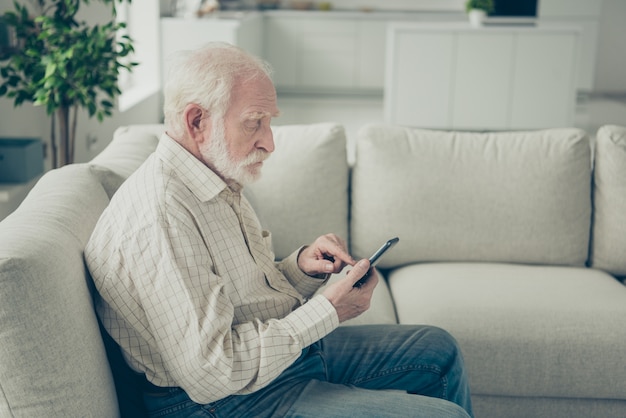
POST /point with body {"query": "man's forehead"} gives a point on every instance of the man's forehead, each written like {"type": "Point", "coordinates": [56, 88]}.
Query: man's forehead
{"type": "Point", "coordinates": [256, 95]}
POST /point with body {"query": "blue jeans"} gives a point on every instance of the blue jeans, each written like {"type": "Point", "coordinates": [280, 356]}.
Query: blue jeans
{"type": "Point", "coordinates": [362, 371]}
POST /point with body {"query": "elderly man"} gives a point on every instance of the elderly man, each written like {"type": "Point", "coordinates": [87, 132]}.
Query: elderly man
{"type": "Point", "coordinates": [189, 289]}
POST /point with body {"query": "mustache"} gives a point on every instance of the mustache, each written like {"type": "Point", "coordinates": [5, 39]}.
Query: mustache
{"type": "Point", "coordinates": [256, 156]}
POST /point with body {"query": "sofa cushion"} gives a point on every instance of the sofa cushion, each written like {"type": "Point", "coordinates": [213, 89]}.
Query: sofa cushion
{"type": "Point", "coordinates": [129, 148]}
{"type": "Point", "coordinates": [608, 249]}
{"type": "Point", "coordinates": [540, 331]}
{"type": "Point", "coordinates": [52, 359]}
{"type": "Point", "coordinates": [504, 197]}
{"type": "Point", "coordinates": [486, 406]}
{"type": "Point", "coordinates": [381, 311]}
{"type": "Point", "coordinates": [303, 190]}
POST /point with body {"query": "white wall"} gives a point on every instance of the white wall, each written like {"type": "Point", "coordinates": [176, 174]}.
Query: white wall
{"type": "Point", "coordinates": [26, 121]}
{"type": "Point", "coordinates": [585, 15]}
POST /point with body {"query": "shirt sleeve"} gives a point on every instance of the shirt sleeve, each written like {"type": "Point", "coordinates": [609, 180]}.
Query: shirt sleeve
{"type": "Point", "coordinates": [302, 282]}
{"type": "Point", "coordinates": [190, 320]}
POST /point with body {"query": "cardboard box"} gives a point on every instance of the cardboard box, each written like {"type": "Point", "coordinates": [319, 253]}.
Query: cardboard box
{"type": "Point", "coordinates": [20, 159]}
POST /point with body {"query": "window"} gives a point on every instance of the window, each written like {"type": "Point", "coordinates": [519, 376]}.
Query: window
{"type": "Point", "coordinates": [142, 25]}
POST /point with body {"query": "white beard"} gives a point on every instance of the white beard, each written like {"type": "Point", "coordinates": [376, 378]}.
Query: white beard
{"type": "Point", "coordinates": [217, 155]}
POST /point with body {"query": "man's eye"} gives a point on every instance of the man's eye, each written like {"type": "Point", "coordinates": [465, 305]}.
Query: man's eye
{"type": "Point", "coordinates": [253, 124]}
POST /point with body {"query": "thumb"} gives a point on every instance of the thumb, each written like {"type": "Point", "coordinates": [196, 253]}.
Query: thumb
{"type": "Point", "coordinates": [360, 269]}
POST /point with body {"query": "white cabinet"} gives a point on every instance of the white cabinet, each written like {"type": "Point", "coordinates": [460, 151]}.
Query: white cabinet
{"type": "Point", "coordinates": [280, 47]}
{"type": "Point", "coordinates": [372, 37]}
{"type": "Point", "coordinates": [241, 29]}
{"type": "Point", "coordinates": [451, 76]}
{"type": "Point", "coordinates": [544, 80]}
{"type": "Point", "coordinates": [325, 53]}
{"type": "Point", "coordinates": [312, 54]}
{"type": "Point", "coordinates": [483, 66]}
{"type": "Point", "coordinates": [586, 15]}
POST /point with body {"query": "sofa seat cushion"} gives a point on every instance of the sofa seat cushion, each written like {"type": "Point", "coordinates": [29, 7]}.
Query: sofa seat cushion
{"type": "Point", "coordinates": [521, 197]}
{"type": "Point", "coordinates": [524, 330]}
{"type": "Point", "coordinates": [52, 359]}
{"type": "Point", "coordinates": [608, 249]}
{"type": "Point", "coordinates": [303, 189]}
{"type": "Point", "coordinates": [381, 311]}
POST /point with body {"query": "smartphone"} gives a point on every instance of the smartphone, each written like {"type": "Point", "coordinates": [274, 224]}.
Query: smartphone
{"type": "Point", "coordinates": [376, 257]}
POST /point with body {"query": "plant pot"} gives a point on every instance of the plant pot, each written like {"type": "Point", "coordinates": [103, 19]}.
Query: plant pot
{"type": "Point", "coordinates": [477, 17]}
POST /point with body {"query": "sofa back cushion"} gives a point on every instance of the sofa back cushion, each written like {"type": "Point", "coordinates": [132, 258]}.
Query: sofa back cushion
{"type": "Point", "coordinates": [520, 197]}
{"type": "Point", "coordinates": [52, 359]}
{"type": "Point", "coordinates": [303, 190]}
{"type": "Point", "coordinates": [608, 249]}
{"type": "Point", "coordinates": [129, 148]}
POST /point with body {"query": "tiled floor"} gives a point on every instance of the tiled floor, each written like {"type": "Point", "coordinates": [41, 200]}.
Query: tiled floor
{"type": "Point", "coordinates": [592, 112]}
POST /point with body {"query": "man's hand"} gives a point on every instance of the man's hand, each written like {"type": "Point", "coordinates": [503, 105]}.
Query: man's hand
{"type": "Point", "coordinates": [328, 254]}
{"type": "Point", "coordinates": [350, 301]}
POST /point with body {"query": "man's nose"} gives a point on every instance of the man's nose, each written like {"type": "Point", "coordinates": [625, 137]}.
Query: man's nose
{"type": "Point", "coordinates": [266, 142]}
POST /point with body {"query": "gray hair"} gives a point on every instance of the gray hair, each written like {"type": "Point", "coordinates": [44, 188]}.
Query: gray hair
{"type": "Point", "coordinates": [206, 77]}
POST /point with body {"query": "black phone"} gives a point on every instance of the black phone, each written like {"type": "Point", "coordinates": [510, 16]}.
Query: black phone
{"type": "Point", "coordinates": [376, 257]}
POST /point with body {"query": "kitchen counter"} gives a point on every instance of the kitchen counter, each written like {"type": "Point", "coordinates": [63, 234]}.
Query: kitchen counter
{"type": "Point", "coordinates": [369, 15]}
{"type": "Point", "coordinates": [238, 15]}
{"type": "Point", "coordinates": [335, 14]}
{"type": "Point", "coordinates": [310, 50]}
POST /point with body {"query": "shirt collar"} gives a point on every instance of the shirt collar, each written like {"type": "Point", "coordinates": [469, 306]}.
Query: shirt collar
{"type": "Point", "coordinates": [200, 179]}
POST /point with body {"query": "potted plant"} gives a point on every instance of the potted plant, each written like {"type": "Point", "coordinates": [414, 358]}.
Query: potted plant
{"type": "Point", "coordinates": [64, 64]}
{"type": "Point", "coordinates": [478, 10]}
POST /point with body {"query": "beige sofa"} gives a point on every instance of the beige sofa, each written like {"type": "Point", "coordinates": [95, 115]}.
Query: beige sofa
{"type": "Point", "coordinates": [514, 242]}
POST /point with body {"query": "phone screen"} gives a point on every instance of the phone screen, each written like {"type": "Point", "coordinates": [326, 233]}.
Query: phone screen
{"type": "Point", "coordinates": [378, 254]}
{"type": "Point", "coordinates": [376, 257]}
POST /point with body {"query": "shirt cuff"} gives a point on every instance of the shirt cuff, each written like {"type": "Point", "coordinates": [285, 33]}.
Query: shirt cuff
{"type": "Point", "coordinates": [313, 321]}
{"type": "Point", "coordinates": [305, 284]}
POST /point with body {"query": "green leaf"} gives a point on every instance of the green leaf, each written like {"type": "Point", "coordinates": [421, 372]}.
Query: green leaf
{"type": "Point", "coordinates": [64, 61]}
{"type": "Point", "coordinates": [13, 80]}
{"type": "Point", "coordinates": [50, 69]}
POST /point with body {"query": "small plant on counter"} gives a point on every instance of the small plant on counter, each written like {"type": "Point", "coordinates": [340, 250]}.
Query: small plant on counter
{"type": "Point", "coordinates": [486, 5]}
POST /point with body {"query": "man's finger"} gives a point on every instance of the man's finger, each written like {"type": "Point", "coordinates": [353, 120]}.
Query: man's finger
{"type": "Point", "coordinates": [360, 269]}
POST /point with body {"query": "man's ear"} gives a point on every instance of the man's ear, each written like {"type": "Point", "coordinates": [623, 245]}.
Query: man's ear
{"type": "Point", "coordinates": [195, 121]}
